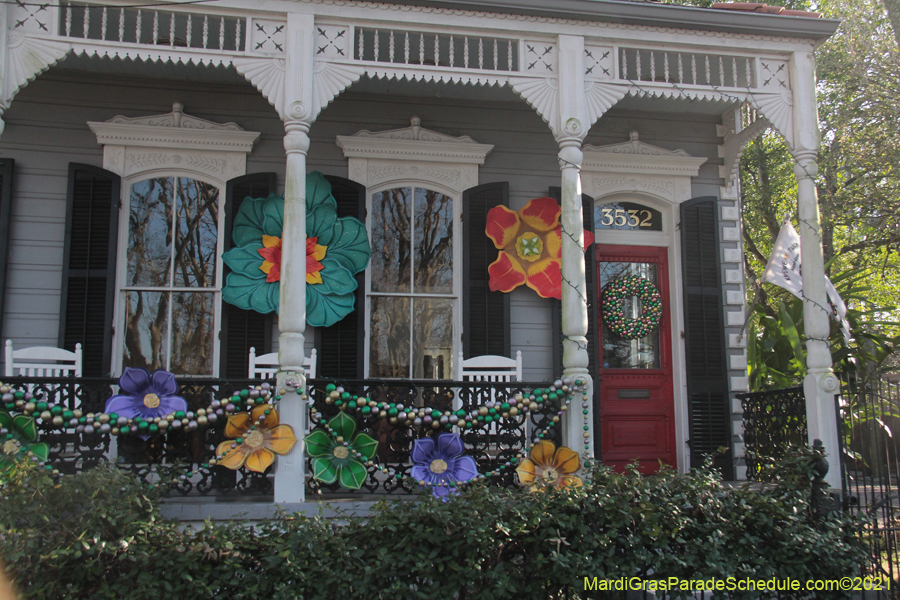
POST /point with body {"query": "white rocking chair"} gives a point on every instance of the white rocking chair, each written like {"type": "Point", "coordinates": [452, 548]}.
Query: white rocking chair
{"type": "Point", "coordinates": [42, 361]}
{"type": "Point", "coordinates": [266, 366]}
{"type": "Point", "coordinates": [490, 367]}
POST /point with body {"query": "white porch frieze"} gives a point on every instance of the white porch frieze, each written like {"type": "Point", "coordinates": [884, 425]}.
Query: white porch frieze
{"type": "Point", "coordinates": [777, 107]}
{"type": "Point", "coordinates": [737, 134]}
{"type": "Point", "coordinates": [26, 58]}
{"type": "Point", "coordinates": [267, 76]}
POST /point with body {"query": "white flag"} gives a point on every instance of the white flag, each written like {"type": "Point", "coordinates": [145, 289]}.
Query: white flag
{"type": "Point", "coordinates": [783, 269]}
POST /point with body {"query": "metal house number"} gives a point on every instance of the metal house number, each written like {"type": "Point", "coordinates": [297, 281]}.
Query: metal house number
{"type": "Point", "coordinates": [627, 215]}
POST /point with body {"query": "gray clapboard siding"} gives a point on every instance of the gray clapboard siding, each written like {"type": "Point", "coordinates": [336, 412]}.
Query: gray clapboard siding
{"type": "Point", "coordinates": [46, 129]}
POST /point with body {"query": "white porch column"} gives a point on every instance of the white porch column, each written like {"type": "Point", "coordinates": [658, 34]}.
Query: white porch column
{"type": "Point", "coordinates": [820, 384]}
{"type": "Point", "coordinates": [570, 132]}
{"type": "Point", "coordinates": [290, 473]}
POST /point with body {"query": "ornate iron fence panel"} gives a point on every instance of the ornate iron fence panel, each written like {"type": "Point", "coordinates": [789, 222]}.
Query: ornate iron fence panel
{"type": "Point", "coordinates": [870, 418]}
{"type": "Point", "coordinates": [77, 448]}
{"type": "Point", "coordinates": [495, 446]}
{"type": "Point", "coordinates": [774, 422]}
{"type": "Point", "coordinates": [82, 446]}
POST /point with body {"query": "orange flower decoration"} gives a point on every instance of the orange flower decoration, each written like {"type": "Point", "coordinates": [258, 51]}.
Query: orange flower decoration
{"type": "Point", "coordinates": [271, 253]}
{"type": "Point", "coordinates": [530, 244]}
{"type": "Point", "coordinates": [549, 465]}
{"type": "Point", "coordinates": [256, 439]}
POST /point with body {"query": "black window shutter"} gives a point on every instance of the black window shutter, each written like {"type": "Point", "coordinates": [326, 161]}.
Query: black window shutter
{"type": "Point", "coordinates": [485, 313]}
{"type": "Point", "coordinates": [6, 176]}
{"type": "Point", "coordinates": [243, 329]}
{"type": "Point", "coordinates": [707, 375]}
{"type": "Point", "coordinates": [89, 266]}
{"type": "Point", "coordinates": [340, 347]}
{"type": "Point", "coordinates": [556, 322]}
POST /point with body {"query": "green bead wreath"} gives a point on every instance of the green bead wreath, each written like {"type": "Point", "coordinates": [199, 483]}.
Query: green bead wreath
{"type": "Point", "coordinates": [614, 297]}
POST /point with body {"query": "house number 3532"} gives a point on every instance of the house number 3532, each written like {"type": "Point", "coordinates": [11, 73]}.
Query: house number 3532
{"type": "Point", "coordinates": [625, 215]}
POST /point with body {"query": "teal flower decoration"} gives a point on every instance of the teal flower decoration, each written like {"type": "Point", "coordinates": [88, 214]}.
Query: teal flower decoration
{"type": "Point", "coordinates": [18, 437]}
{"type": "Point", "coordinates": [341, 454]}
{"type": "Point", "coordinates": [336, 250]}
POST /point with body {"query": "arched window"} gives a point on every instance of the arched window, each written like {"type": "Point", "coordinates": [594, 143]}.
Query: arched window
{"type": "Point", "coordinates": [415, 179]}
{"type": "Point", "coordinates": [174, 170]}
{"type": "Point", "coordinates": [170, 294]}
{"type": "Point", "coordinates": [412, 287]}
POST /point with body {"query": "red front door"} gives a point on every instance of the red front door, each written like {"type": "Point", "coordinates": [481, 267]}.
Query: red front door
{"type": "Point", "coordinates": [636, 397]}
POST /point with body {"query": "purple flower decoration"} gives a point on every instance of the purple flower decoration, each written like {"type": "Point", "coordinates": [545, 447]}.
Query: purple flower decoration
{"type": "Point", "coordinates": [146, 396]}
{"type": "Point", "coordinates": [440, 464]}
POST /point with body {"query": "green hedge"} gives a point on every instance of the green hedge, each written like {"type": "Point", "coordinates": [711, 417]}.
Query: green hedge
{"type": "Point", "coordinates": [99, 535]}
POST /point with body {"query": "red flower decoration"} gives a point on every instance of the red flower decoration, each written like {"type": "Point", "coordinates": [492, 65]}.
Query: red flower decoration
{"type": "Point", "coordinates": [271, 253]}
{"type": "Point", "coordinates": [530, 245]}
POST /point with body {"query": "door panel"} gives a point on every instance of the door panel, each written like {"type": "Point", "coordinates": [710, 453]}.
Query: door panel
{"type": "Point", "coordinates": [636, 405]}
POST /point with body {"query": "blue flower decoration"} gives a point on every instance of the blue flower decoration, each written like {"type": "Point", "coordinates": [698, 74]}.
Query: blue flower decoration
{"type": "Point", "coordinates": [441, 465]}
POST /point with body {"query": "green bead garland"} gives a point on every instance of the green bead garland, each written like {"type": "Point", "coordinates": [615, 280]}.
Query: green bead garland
{"type": "Point", "coordinates": [614, 296]}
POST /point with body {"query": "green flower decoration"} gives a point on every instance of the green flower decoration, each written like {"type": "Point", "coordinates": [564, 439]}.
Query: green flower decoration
{"type": "Point", "coordinates": [336, 250]}
{"type": "Point", "coordinates": [20, 437]}
{"type": "Point", "coordinates": [340, 455]}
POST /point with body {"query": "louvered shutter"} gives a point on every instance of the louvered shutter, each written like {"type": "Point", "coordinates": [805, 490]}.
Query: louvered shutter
{"type": "Point", "coordinates": [485, 313]}
{"type": "Point", "coordinates": [707, 376]}
{"type": "Point", "coordinates": [340, 347]}
{"type": "Point", "coordinates": [243, 329]}
{"type": "Point", "coordinates": [89, 266]}
{"type": "Point", "coordinates": [6, 176]}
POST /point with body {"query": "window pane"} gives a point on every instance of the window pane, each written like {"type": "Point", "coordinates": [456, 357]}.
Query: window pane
{"type": "Point", "coordinates": [434, 242]}
{"type": "Point", "coordinates": [389, 345]}
{"type": "Point", "coordinates": [619, 353]}
{"type": "Point", "coordinates": [150, 232]}
{"type": "Point", "coordinates": [197, 208]}
{"type": "Point", "coordinates": [391, 240]}
{"type": "Point", "coordinates": [146, 329]}
{"type": "Point", "coordinates": [433, 338]}
{"type": "Point", "coordinates": [193, 322]}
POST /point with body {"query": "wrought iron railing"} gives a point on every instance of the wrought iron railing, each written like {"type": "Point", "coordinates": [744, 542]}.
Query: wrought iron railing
{"type": "Point", "coordinates": [495, 446]}
{"type": "Point", "coordinates": [496, 438]}
{"type": "Point", "coordinates": [774, 423]}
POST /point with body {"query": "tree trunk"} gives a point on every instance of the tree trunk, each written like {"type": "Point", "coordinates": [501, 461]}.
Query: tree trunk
{"type": "Point", "coordinates": [893, 10]}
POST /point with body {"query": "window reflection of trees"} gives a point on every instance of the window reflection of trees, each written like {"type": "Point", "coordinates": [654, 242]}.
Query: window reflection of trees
{"type": "Point", "coordinates": [412, 240]}
{"type": "Point", "coordinates": [165, 328]}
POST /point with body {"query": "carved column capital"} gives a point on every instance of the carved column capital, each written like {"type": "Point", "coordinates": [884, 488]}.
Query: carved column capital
{"type": "Point", "coordinates": [296, 137]}
{"type": "Point", "coordinates": [806, 164]}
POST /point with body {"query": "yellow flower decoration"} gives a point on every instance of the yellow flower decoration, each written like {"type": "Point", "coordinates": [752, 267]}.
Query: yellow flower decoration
{"type": "Point", "coordinates": [549, 465]}
{"type": "Point", "coordinates": [256, 439]}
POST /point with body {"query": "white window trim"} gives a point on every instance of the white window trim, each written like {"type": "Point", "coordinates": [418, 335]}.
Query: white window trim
{"type": "Point", "coordinates": [170, 145]}
{"type": "Point", "coordinates": [416, 157]}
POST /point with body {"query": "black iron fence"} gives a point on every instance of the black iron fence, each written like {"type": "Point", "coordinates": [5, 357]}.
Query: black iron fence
{"type": "Point", "coordinates": [774, 423]}
{"type": "Point", "coordinates": [869, 419]}
{"type": "Point", "coordinates": [870, 411]}
{"type": "Point", "coordinates": [495, 446]}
